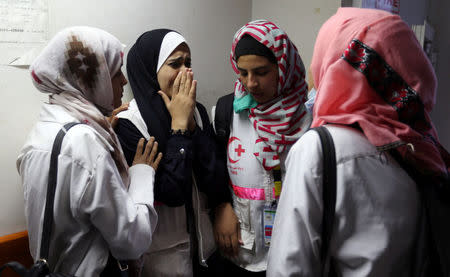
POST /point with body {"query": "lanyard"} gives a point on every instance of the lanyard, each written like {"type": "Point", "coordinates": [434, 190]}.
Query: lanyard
{"type": "Point", "coordinates": [273, 185]}
{"type": "Point", "coordinates": [277, 181]}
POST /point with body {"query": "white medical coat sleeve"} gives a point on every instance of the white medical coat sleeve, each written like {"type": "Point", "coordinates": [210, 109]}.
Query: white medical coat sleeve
{"type": "Point", "coordinates": [300, 213]}
{"type": "Point", "coordinates": [126, 219]}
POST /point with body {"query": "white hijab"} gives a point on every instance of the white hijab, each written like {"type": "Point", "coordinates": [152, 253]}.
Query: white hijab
{"type": "Point", "coordinates": [76, 68]}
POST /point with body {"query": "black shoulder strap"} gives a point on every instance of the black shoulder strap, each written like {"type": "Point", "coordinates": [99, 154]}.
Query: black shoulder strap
{"type": "Point", "coordinates": [223, 117]}
{"type": "Point", "coordinates": [203, 115]}
{"type": "Point", "coordinates": [329, 195]}
{"type": "Point", "coordinates": [51, 187]}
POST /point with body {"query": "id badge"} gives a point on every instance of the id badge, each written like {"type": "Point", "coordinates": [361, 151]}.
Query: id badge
{"type": "Point", "coordinates": [268, 220]}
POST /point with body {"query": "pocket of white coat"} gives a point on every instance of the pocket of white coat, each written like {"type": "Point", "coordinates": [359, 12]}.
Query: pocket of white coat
{"type": "Point", "coordinates": [242, 209]}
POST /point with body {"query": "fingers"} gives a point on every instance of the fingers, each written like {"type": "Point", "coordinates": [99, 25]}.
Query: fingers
{"type": "Point", "coordinates": [183, 81]}
{"type": "Point", "coordinates": [193, 90]}
{"type": "Point", "coordinates": [157, 161]}
{"type": "Point", "coordinates": [123, 107]}
{"type": "Point", "coordinates": [148, 149]}
{"type": "Point", "coordinates": [150, 152]}
{"type": "Point", "coordinates": [228, 246]}
{"type": "Point", "coordinates": [176, 84]}
{"type": "Point", "coordinates": [188, 83]}
{"type": "Point", "coordinates": [165, 98]}
{"type": "Point", "coordinates": [234, 243]}
{"type": "Point", "coordinates": [221, 242]}
{"type": "Point", "coordinates": [140, 147]}
{"type": "Point", "coordinates": [238, 231]}
{"type": "Point", "coordinates": [114, 121]}
{"type": "Point", "coordinates": [138, 155]}
{"type": "Point", "coordinates": [152, 156]}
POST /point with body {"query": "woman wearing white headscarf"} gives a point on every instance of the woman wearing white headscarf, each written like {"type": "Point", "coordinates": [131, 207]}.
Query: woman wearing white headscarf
{"type": "Point", "coordinates": [100, 205]}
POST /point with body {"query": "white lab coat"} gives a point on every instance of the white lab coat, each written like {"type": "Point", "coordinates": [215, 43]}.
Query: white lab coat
{"type": "Point", "coordinates": [93, 211]}
{"type": "Point", "coordinates": [377, 210]}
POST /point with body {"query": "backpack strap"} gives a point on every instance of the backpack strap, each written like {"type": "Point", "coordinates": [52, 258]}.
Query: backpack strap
{"type": "Point", "coordinates": [223, 118]}
{"type": "Point", "coordinates": [49, 204]}
{"type": "Point", "coordinates": [51, 188]}
{"type": "Point", "coordinates": [203, 116]}
{"type": "Point", "coordinates": [329, 196]}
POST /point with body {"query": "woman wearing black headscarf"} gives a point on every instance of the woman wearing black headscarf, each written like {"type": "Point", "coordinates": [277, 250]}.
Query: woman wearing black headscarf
{"type": "Point", "coordinates": [164, 106]}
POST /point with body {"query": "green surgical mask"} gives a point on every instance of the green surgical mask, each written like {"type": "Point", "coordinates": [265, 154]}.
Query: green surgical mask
{"type": "Point", "coordinates": [244, 103]}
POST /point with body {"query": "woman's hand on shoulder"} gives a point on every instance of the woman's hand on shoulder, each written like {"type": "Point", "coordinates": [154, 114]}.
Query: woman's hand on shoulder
{"type": "Point", "coordinates": [113, 118]}
{"type": "Point", "coordinates": [182, 103]}
{"type": "Point", "coordinates": [149, 156]}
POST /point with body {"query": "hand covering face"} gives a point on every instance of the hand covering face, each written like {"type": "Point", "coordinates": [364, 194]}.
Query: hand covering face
{"type": "Point", "coordinates": [143, 63]}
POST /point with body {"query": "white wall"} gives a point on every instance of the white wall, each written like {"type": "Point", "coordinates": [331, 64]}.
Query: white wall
{"type": "Point", "coordinates": [301, 19]}
{"type": "Point", "coordinates": [208, 26]}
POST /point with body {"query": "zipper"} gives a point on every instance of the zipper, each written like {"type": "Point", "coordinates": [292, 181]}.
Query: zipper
{"type": "Point", "coordinates": [199, 238]}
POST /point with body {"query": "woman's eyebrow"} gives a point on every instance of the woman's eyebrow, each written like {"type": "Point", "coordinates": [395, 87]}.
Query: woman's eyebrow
{"type": "Point", "coordinates": [256, 68]}
{"type": "Point", "coordinates": [177, 59]}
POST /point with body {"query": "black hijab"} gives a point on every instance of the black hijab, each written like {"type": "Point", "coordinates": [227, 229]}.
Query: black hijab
{"type": "Point", "coordinates": [142, 61]}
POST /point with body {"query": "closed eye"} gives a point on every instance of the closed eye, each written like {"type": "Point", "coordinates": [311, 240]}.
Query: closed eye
{"type": "Point", "coordinates": [243, 72]}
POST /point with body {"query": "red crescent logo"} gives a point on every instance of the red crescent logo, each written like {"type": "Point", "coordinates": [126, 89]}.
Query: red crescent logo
{"type": "Point", "coordinates": [228, 152]}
